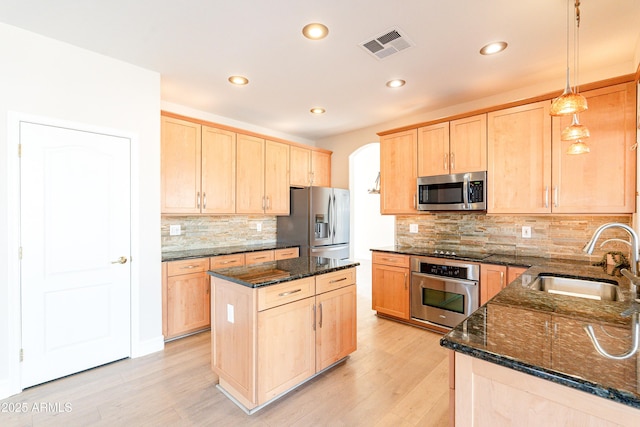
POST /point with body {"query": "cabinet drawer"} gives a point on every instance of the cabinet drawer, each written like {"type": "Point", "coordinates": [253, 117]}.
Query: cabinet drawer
{"type": "Point", "coordinates": [175, 268]}
{"type": "Point", "coordinates": [224, 261]}
{"type": "Point", "coordinates": [287, 253]}
{"type": "Point", "coordinates": [283, 293]}
{"type": "Point", "coordinates": [337, 279]}
{"type": "Point", "coordinates": [258, 257]}
{"type": "Point", "coordinates": [390, 259]}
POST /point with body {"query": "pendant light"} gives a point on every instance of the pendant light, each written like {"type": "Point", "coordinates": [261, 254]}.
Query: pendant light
{"type": "Point", "coordinates": [575, 131]}
{"type": "Point", "coordinates": [578, 147]}
{"type": "Point", "coordinates": [570, 102]}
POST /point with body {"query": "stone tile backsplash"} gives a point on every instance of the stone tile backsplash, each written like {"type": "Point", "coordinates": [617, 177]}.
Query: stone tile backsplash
{"type": "Point", "coordinates": [199, 232]}
{"type": "Point", "coordinates": [551, 236]}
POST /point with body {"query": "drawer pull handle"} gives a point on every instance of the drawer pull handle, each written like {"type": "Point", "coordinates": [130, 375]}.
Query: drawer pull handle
{"type": "Point", "coordinates": [338, 280]}
{"type": "Point", "coordinates": [285, 294]}
{"type": "Point", "coordinates": [260, 257]}
{"type": "Point", "coordinates": [189, 266]}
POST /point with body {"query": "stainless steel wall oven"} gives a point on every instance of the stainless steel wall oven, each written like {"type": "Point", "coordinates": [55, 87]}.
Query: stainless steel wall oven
{"type": "Point", "coordinates": [443, 291]}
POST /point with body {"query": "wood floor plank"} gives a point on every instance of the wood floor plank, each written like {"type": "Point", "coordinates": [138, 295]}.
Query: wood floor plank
{"type": "Point", "coordinates": [397, 377]}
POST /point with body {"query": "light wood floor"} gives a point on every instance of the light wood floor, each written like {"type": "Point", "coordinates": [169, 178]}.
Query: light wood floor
{"type": "Point", "coordinates": [397, 377]}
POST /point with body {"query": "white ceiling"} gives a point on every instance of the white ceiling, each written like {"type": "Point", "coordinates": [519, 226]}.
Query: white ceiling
{"type": "Point", "coordinates": [197, 44]}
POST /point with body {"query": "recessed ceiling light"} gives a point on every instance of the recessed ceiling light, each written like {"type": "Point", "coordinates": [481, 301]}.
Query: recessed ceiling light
{"type": "Point", "coordinates": [239, 80]}
{"type": "Point", "coordinates": [492, 48]}
{"type": "Point", "coordinates": [317, 110]}
{"type": "Point", "coordinates": [315, 31]}
{"type": "Point", "coordinates": [396, 83]}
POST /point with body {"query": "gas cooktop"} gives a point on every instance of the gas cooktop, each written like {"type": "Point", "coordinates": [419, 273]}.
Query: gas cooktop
{"type": "Point", "coordinates": [461, 254]}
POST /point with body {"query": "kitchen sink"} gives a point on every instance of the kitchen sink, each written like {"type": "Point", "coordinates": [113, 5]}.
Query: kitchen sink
{"type": "Point", "coordinates": [582, 287]}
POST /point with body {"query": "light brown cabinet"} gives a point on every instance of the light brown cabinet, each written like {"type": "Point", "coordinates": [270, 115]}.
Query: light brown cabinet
{"type": "Point", "coordinates": [493, 278]}
{"type": "Point", "coordinates": [198, 168]}
{"type": "Point", "coordinates": [458, 146]}
{"type": "Point", "coordinates": [262, 178]}
{"type": "Point", "coordinates": [602, 181]}
{"type": "Point", "coordinates": [299, 166]}
{"type": "Point", "coordinates": [519, 159]}
{"type": "Point", "coordinates": [536, 175]}
{"type": "Point", "coordinates": [398, 172]}
{"type": "Point", "coordinates": [320, 169]}
{"type": "Point", "coordinates": [186, 307]}
{"type": "Point", "coordinates": [312, 320]}
{"type": "Point", "coordinates": [390, 284]}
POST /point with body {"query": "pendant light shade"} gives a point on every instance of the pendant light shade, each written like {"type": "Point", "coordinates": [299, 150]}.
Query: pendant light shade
{"type": "Point", "coordinates": [578, 147]}
{"type": "Point", "coordinates": [575, 132]}
{"type": "Point", "coordinates": [570, 102]}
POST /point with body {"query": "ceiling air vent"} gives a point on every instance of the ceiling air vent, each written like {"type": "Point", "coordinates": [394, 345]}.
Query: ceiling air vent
{"type": "Point", "coordinates": [387, 43]}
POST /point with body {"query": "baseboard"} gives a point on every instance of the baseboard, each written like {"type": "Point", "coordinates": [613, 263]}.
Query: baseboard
{"type": "Point", "coordinates": [143, 348]}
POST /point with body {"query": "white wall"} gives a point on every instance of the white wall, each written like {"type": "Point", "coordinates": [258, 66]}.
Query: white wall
{"type": "Point", "coordinates": [43, 77]}
{"type": "Point", "coordinates": [369, 228]}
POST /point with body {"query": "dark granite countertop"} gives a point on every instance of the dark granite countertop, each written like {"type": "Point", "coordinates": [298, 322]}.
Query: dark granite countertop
{"type": "Point", "coordinates": [274, 272]}
{"type": "Point", "coordinates": [222, 250]}
{"type": "Point", "coordinates": [543, 334]}
{"type": "Point", "coordinates": [465, 254]}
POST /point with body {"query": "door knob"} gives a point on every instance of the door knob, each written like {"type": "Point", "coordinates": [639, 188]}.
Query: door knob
{"type": "Point", "coordinates": [121, 260]}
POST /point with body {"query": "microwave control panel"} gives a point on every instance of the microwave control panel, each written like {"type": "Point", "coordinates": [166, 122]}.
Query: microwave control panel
{"type": "Point", "coordinates": [476, 191]}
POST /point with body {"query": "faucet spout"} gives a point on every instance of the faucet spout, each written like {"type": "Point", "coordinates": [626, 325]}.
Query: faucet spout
{"type": "Point", "coordinates": [635, 242]}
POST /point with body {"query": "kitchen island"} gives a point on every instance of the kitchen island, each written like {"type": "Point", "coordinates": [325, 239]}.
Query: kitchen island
{"type": "Point", "coordinates": [524, 358]}
{"type": "Point", "coordinates": [276, 325]}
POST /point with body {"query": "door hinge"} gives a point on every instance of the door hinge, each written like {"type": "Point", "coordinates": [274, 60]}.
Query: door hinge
{"type": "Point", "coordinates": [20, 253]}
{"type": "Point", "coordinates": [19, 150]}
{"type": "Point", "coordinates": [21, 354]}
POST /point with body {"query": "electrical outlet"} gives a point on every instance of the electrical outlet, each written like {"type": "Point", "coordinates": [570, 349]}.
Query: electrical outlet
{"type": "Point", "coordinates": [258, 226]}
{"type": "Point", "coordinates": [174, 230]}
{"type": "Point", "coordinates": [413, 228]}
{"type": "Point", "coordinates": [526, 232]}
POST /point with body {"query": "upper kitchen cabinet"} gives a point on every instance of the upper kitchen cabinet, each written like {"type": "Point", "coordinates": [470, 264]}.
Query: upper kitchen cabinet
{"type": "Point", "coordinates": [320, 169]}
{"type": "Point", "coordinates": [299, 166]}
{"type": "Point", "coordinates": [181, 165]}
{"type": "Point", "coordinates": [457, 146]}
{"type": "Point", "coordinates": [218, 171]}
{"type": "Point", "coordinates": [262, 178]}
{"type": "Point", "coordinates": [398, 172]}
{"type": "Point", "coordinates": [519, 159]}
{"type": "Point", "coordinates": [602, 181]}
{"type": "Point", "coordinates": [198, 168]}
{"type": "Point", "coordinates": [309, 167]}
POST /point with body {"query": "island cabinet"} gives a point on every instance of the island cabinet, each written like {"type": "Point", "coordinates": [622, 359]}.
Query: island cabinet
{"type": "Point", "coordinates": [390, 284]}
{"type": "Point", "coordinates": [198, 168]}
{"type": "Point", "coordinates": [262, 180]}
{"type": "Point", "coordinates": [268, 340]}
{"type": "Point", "coordinates": [457, 146]}
{"type": "Point", "coordinates": [487, 394]}
{"type": "Point", "coordinates": [398, 172]}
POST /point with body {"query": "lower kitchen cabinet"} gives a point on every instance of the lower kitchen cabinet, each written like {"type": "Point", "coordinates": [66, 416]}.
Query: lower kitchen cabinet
{"type": "Point", "coordinates": [493, 278]}
{"type": "Point", "coordinates": [186, 305]}
{"type": "Point", "coordinates": [390, 284]}
{"type": "Point", "coordinates": [267, 340]}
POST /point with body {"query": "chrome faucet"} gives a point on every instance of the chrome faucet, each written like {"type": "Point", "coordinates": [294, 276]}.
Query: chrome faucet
{"type": "Point", "coordinates": [590, 246]}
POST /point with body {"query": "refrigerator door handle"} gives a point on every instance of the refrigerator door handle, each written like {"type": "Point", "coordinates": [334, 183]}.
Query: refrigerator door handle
{"type": "Point", "coordinates": [334, 218]}
{"type": "Point", "coordinates": [330, 222]}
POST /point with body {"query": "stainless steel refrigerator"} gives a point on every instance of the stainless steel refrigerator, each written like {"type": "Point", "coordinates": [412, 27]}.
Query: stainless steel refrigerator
{"type": "Point", "coordinates": [318, 222]}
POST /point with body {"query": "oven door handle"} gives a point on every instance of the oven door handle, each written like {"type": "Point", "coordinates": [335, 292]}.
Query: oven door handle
{"type": "Point", "coordinates": [445, 279]}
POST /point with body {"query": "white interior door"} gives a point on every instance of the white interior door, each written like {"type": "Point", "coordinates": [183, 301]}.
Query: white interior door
{"type": "Point", "coordinates": [75, 227]}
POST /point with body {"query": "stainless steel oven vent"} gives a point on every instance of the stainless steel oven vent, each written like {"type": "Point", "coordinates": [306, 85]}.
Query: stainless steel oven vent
{"type": "Point", "coordinates": [387, 43]}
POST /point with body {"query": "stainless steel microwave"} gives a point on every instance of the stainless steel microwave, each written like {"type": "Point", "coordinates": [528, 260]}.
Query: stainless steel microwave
{"type": "Point", "coordinates": [454, 192]}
